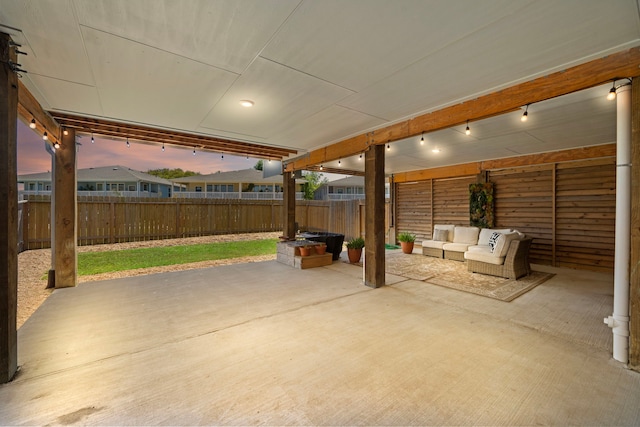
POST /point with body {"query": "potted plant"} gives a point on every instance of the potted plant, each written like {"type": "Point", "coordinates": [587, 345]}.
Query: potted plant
{"type": "Point", "coordinates": [321, 249]}
{"type": "Point", "coordinates": [305, 250]}
{"type": "Point", "coordinates": [354, 249]}
{"type": "Point", "coordinates": [407, 241]}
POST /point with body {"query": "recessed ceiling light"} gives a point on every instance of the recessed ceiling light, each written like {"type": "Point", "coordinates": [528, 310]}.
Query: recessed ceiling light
{"type": "Point", "coordinates": [246, 103]}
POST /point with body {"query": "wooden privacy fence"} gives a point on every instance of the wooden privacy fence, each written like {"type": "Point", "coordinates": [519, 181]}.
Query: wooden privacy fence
{"type": "Point", "coordinates": [567, 208]}
{"type": "Point", "coordinates": [104, 220]}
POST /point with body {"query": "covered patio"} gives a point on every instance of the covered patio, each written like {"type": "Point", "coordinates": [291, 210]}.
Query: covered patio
{"type": "Point", "coordinates": [264, 343]}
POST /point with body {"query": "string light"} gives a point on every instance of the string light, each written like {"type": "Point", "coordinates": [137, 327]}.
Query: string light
{"type": "Point", "coordinates": [163, 147]}
{"type": "Point", "coordinates": [339, 162]}
{"type": "Point", "coordinates": [360, 157]}
{"type": "Point", "coordinates": [32, 125]}
{"type": "Point", "coordinates": [222, 157]}
{"type": "Point", "coordinates": [612, 92]}
{"type": "Point", "coordinates": [56, 145]}
{"type": "Point", "coordinates": [388, 146]}
{"type": "Point", "coordinates": [525, 114]}
{"type": "Point", "coordinates": [45, 136]}
{"type": "Point", "coordinates": [321, 167]}
{"type": "Point", "coordinates": [467, 130]}
{"type": "Point", "coordinates": [128, 145]}
{"type": "Point", "coordinates": [422, 139]}
{"type": "Point", "coordinates": [92, 140]}
{"type": "Point", "coordinates": [65, 132]}
{"type": "Point", "coordinates": [194, 151]}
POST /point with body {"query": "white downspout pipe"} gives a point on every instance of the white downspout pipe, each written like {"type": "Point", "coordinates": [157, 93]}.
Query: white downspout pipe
{"type": "Point", "coordinates": [619, 322]}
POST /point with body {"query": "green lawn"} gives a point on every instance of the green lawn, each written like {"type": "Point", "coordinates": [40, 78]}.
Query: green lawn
{"type": "Point", "coordinates": [130, 259]}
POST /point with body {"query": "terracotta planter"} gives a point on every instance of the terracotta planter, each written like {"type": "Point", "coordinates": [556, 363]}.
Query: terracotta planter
{"type": "Point", "coordinates": [305, 250]}
{"type": "Point", "coordinates": [321, 249]}
{"type": "Point", "coordinates": [407, 247]}
{"type": "Point", "coordinates": [354, 255]}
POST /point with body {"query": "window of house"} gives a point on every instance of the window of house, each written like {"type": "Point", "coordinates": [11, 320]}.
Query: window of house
{"type": "Point", "coordinates": [132, 187]}
{"type": "Point", "coordinates": [209, 188]}
{"type": "Point", "coordinates": [100, 186]}
{"type": "Point", "coordinates": [121, 187]}
{"type": "Point", "coordinates": [32, 186]}
{"type": "Point", "coordinates": [198, 189]}
{"type": "Point", "coordinates": [145, 186]}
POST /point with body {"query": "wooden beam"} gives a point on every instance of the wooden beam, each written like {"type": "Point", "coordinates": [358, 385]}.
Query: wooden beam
{"type": "Point", "coordinates": [374, 217]}
{"type": "Point", "coordinates": [137, 132]}
{"type": "Point", "coordinates": [29, 108]}
{"type": "Point", "coordinates": [8, 212]}
{"type": "Point", "coordinates": [65, 212]}
{"type": "Point", "coordinates": [289, 205]}
{"type": "Point", "coordinates": [584, 76]}
{"type": "Point", "coordinates": [634, 255]}
{"type": "Point", "coordinates": [474, 168]}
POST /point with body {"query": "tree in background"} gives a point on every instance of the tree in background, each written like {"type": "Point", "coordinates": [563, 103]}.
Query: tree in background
{"type": "Point", "coordinates": [314, 180]}
{"type": "Point", "coordinates": [258, 165]}
{"type": "Point", "coordinates": [171, 173]}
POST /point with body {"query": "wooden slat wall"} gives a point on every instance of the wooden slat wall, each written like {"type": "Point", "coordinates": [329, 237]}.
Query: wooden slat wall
{"type": "Point", "coordinates": [413, 213]}
{"type": "Point", "coordinates": [585, 215]}
{"type": "Point", "coordinates": [523, 200]}
{"type": "Point", "coordinates": [451, 200]}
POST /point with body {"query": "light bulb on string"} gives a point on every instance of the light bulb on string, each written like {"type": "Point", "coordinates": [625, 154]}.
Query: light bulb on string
{"type": "Point", "coordinates": [45, 136]}
{"type": "Point", "coordinates": [422, 139]}
{"type": "Point", "coordinates": [194, 151]}
{"type": "Point", "coordinates": [56, 145]}
{"type": "Point", "coordinates": [128, 145]}
{"type": "Point", "coordinates": [467, 130]}
{"type": "Point", "coordinates": [525, 115]}
{"type": "Point", "coordinates": [612, 92]}
{"type": "Point", "coordinates": [65, 132]}
{"type": "Point", "coordinates": [92, 140]}
{"type": "Point", "coordinates": [32, 125]}
{"type": "Point", "coordinates": [163, 147]}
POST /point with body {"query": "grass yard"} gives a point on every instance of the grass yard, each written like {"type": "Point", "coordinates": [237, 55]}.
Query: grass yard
{"type": "Point", "coordinates": [130, 259]}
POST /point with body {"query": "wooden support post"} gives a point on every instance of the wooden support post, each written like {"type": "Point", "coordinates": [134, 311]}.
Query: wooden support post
{"type": "Point", "coordinates": [374, 216]}
{"type": "Point", "coordinates": [65, 215]}
{"type": "Point", "coordinates": [634, 260]}
{"type": "Point", "coordinates": [8, 212]}
{"type": "Point", "coordinates": [289, 205]}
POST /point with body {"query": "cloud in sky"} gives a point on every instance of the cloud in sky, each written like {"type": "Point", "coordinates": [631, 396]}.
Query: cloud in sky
{"type": "Point", "coordinates": [33, 157]}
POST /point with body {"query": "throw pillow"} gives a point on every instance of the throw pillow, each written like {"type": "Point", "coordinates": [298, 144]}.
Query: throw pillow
{"type": "Point", "coordinates": [440, 235]}
{"type": "Point", "coordinates": [503, 243]}
{"type": "Point", "coordinates": [493, 240]}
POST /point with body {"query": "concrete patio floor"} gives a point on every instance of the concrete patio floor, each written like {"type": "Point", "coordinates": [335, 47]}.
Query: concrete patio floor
{"type": "Point", "coordinates": [264, 343]}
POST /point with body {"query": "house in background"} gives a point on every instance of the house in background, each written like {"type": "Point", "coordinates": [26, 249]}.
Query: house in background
{"type": "Point", "coordinates": [242, 184]}
{"type": "Point", "coordinates": [118, 181]}
{"type": "Point", "coordinates": [349, 188]}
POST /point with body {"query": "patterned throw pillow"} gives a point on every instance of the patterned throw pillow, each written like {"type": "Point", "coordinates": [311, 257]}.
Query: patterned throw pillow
{"type": "Point", "coordinates": [440, 235]}
{"type": "Point", "coordinates": [493, 240]}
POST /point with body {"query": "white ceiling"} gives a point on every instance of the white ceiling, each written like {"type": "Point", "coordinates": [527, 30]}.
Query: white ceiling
{"type": "Point", "coordinates": [320, 71]}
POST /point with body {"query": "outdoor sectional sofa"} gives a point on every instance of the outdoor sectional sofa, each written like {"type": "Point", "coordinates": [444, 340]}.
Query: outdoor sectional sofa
{"type": "Point", "coordinates": [497, 252]}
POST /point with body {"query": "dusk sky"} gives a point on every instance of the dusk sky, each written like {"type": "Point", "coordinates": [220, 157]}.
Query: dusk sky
{"type": "Point", "coordinates": [33, 158]}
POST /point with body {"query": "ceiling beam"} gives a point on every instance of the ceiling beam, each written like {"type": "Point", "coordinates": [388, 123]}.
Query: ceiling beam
{"type": "Point", "coordinates": [169, 137]}
{"type": "Point", "coordinates": [29, 108]}
{"type": "Point", "coordinates": [616, 66]}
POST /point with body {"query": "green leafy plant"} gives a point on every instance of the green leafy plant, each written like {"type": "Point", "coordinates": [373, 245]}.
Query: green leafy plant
{"type": "Point", "coordinates": [407, 237]}
{"type": "Point", "coordinates": [481, 205]}
{"type": "Point", "coordinates": [355, 243]}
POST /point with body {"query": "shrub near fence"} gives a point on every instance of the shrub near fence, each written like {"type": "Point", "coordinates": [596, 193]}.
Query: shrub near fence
{"type": "Point", "coordinates": [104, 220]}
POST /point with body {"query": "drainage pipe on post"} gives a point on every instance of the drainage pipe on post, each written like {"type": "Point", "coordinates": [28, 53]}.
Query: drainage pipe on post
{"type": "Point", "coordinates": [619, 322]}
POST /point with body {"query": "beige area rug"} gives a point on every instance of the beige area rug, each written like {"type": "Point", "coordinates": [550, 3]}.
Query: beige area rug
{"type": "Point", "coordinates": [454, 275]}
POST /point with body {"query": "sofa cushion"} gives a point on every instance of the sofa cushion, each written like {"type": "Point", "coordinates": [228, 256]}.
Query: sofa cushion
{"type": "Point", "coordinates": [484, 257]}
{"type": "Point", "coordinates": [455, 247]}
{"type": "Point", "coordinates": [468, 235]}
{"type": "Point", "coordinates": [480, 248]}
{"type": "Point", "coordinates": [486, 233]}
{"type": "Point", "coordinates": [440, 235]}
{"type": "Point", "coordinates": [493, 240]}
{"type": "Point", "coordinates": [502, 244]}
{"type": "Point", "coordinates": [432, 244]}
{"type": "Point", "coordinates": [448, 227]}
